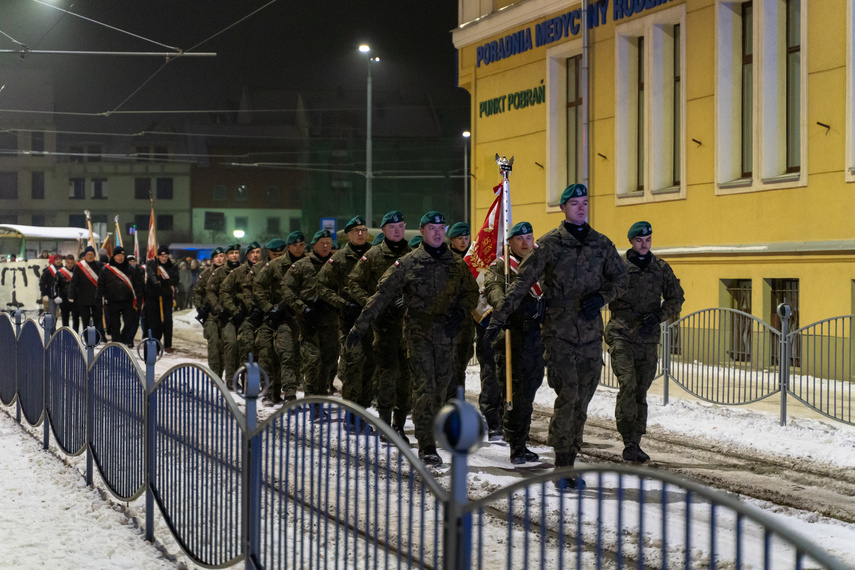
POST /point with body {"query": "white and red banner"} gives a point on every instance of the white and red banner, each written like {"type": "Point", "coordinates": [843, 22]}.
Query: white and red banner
{"type": "Point", "coordinates": [151, 251]}
{"type": "Point", "coordinates": [88, 271]}
{"type": "Point", "coordinates": [485, 249]}
{"type": "Point", "coordinates": [536, 290]}
{"type": "Point", "coordinates": [125, 279]}
{"type": "Point", "coordinates": [136, 245]}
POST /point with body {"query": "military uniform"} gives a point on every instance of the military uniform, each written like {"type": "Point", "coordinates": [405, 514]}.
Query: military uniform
{"type": "Point", "coordinates": [210, 327]}
{"type": "Point", "coordinates": [237, 298]}
{"type": "Point", "coordinates": [526, 353]}
{"type": "Point", "coordinates": [633, 336]}
{"type": "Point", "coordinates": [390, 351]}
{"type": "Point", "coordinates": [356, 364]}
{"type": "Point", "coordinates": [317, 320]}
{"type": "Point", "coordinates": [571, 269]}
{"type": "Point", "coordinates": [466, 345]}
{"type": "Point", "coordinates": [433, 288]}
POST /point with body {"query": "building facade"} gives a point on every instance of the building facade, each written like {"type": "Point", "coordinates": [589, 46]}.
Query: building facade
{"type": "Point", "coordinates": [728, 125]}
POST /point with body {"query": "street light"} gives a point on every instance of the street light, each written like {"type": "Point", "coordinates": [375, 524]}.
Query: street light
{"type": "Point", "coordinates": [368, 174]}
{"type": "Point", "coordinates": [239, 233]}
{"type": "Point", "coordinates": [466, 135]}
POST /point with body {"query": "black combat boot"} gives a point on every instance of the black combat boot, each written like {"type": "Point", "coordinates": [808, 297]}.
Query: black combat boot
{"type": "Point", "coordinates": [567, 484]}
{"type": "Point", "coordinates": [429, 455]}
{"type": "Point", "coordinates": [530, 456]}
{"type": "Point", "coordinates": [518, 455]}
{"type": "Point", "coordinates": [633, 453]}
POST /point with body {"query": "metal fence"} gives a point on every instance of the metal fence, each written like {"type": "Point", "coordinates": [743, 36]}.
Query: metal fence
{"type": "Point", "coordinates": [302, 489]}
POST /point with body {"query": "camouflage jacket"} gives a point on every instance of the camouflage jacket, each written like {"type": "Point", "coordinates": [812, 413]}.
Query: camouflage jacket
{"type": "Point", "coordinates": [568, 271]}
{"type": "Point", "coordinates": [654, 289]}
{"type": "Point", "coordinates": [267, 287]}
{"type": "Point", "coordinates": [494, 290]}
{"type": "Point", "coordinates": [201, 287]}
{"type": "Point", "coordinates": [212, 296]}
{"type": "Point", "coordinates": [362, 282]}
{"type": "Point", "coordinates": [431, 289]}
{"type": "Point", "coordinates": [333, 276]}
{"type": "Point", "coordinates": [236, 289]}
{"type": "Point", "coordinates": [300, 285]}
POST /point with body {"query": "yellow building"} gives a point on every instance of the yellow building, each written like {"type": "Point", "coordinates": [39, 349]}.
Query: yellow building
{"type": "Point", "coordinates": [728, 125]}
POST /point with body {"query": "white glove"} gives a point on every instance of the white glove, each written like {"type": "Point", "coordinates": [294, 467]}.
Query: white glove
{"type": "Point", "coordinates": [58, 300]}
{"type": "Point", "coordinates": [45, 299]}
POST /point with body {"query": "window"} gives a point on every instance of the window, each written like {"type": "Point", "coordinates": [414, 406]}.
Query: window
{"type": "Point", "coordinates": [76, 153]}
{"type": "Point", "coordinates": [38, 220]}
{"type": "Point", "coordinates": [164, 188]}
{"type": "Point", "coordinates": [566, 92]}
{"type": "Point", "coordinates": [161, 153]}
{"type": "Point", "coordinates": [9, 142]}
{"type": "Point", "coordinates": [37, 142]}
{"type": "Point", "coordinates": [218, 193]}
{"type": "Point", "coordinates": [575, 158]}
{"type": "Point", "coordinates": [8, 218]}
{"type": "Point", "coordinates": [99, 188]}
{"type": "Point", "coordinates": [142, 153]}
{"type": "Point", "coordinates": [676, 110]}
{"type": "Point", "coordinates": [164, 222]}
{"type": "Point", "coordinates": [273, 226]}
{"type": "Point", "coordinates": [93, 153]}
{"type": "Point", "coordinates": [142, 188]}
{"type": "Point", "coordinates": [141, 221]}
{"type": "Point", "coordinates": [293, 224]}
{"type": "Point", "coordinates": [783, 291]}
{"type": "Point", "coordinates": [241, 193]}
{"type": "Point", "coordinates": [760, 103]}
{"type": "Point", "coordinates": [639, 114]}
{"type": "Point", "coordinates": [77, 188]}
{"type": "Point", "coordinates": [77, 221]}
{"type": "Point", "coordinates": [273, 195]}
{"type": "Point", "coordinates": [215, 221]}
{"type": "Point", "coordinates": [242, 223]}
{"type": "Point", "coordinates": [37, 185]}
{"type": "Point", "coordinates": [8, 185]}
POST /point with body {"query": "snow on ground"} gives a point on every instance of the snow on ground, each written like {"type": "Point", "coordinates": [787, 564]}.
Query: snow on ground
{"type": "Point", "coordinates": [48, 517]}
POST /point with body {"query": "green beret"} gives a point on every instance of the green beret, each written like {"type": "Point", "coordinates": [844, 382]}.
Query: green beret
{"type": "Point", "coordinates": [573, 191]}
{"type": "Point", "coordinates": [459, 229]}
{"type": "Point", "coordinates": [392, 217]}
{"type": "Point", "coordinates": [432, 217]}
{"type": "Point", "coordinates": [639, 229]}
{"type": "Point", "coordinates": [217, 251]}
{"type": "Point", "coordinates": [253, 245]}
{"type": "Point", "coordinates": [520, 229]}
{"type": "Point", "coordinates": [233, 247]}
{"type": "Point", "coordinates": [275, 244]}
{"type": "Point", "coordinates": [295, 237]}
{"type": "Point", "coordinates": [354, 222]}
{"type": "Point", "coordinates": [380, 237]}
{"type": "Point", "coordinates": [320, 234]}
{"type": "Point", "coordinates": [414, 243]}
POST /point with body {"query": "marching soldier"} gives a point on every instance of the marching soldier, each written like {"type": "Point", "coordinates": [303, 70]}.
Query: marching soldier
{"type": "Point", "coordinates": [237, 299]}
{"type": "Point", "coordinates": [205, 315]}
{"type": "Point", "coordinates": [390, 351]}
{"type": "Point", "coordinates": [356, 365]}
{"type": "Point", "coordinates": [460, 238]}
{"type": "Point", "coordinates": [526, 344]}
{"type": "Point", "coordinates": [82, 291]}
{"type": "Point", "coordinates": [276, 336]}
{"type": "Point", "coordinates": [439, 292]}
{"type": "Point", "coordinates": [296, 244]}
{"type": "Point", "coordinates": [161, 281]}
{"type": "Point", "coordinates": [228, 332]}
{"type": "Point", "coordinates": [654, 295]}
{"type": "Point", "coordinates": [318, 336]}
{"type": "Point", "coordinates": [580, 271]}
{"type": "Point", "coordinates": [121, 287]}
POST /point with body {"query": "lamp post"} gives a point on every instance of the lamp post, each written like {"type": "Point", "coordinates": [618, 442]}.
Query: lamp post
{"type": "Point", "coordinates": [466, 135]}
{"type": "Point", "coordinates": [368, 159]}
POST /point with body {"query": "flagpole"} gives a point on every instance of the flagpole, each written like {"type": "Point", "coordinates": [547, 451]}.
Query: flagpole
{"type": "Point", "coordinates": [118, 234]}
{"type": "Point", "coordinates": [91, 233]}
{"type": "Point", "coordinates": [505, 167]}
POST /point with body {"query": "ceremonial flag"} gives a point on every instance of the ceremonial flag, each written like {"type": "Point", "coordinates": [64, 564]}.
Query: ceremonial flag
{"type": "Point", "coordinates": [118, 233]}
{"type": "Point", "coordinates": [108, 245]}
{"type": "Point", "coordinates": [91, 233]}
{"type": "Point", "coordinates": [136, 245]}
{"type": "Point", "coordinates": [486, 248]}
{"type": "Point", "coordinates": [151, 252]}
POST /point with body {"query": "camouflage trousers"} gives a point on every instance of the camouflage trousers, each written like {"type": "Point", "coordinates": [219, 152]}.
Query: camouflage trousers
{"type": "Point", "coordinates": [526, 378]}
{"type": "Point", "coordinates": [431, 358]}
{"type": "Point", "coordinates": [573, 371]}
{"type": "Point", "coordinates": [287, 353]}
{"type": "Point", "coordinates": [465, 350]}
{"type": "Point", "coordinates": [634, 365]}
{"type": "Point", "coordinates": [356, 369]}
{"type": "Point", "coordinates": [246, 343]}
{"type": "Point", "coordinates": [319, 350]}
{"type": "Point", "coordinates": [490, 399]}
{"type": "Point", "coordinates": [230, 351]}
{"type": "Point", "coordinates": [394, 387]}
{"type": "Point", "coordinates": [215, 345]}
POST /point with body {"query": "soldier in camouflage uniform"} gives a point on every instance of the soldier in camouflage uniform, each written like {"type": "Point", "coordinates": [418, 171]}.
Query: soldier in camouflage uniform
{"type": "Point", "coordinates": [356, 365]}
{"type": "Point", "coordinates": [459, 239]}
{"type": "Point", "coordinates": [317, 319]}
{"type": "Point", "coordinates": [579, 270]}
{"type": "Point", "coordinates": [236, 297]}
{"type": "Point", "coordinates": [228, 332]}
{"type": "Point", "coordinates": [390, 351]}
{"type": "Point", "coordinates": [275, 336]}
{"type": "Point", "coordinates": [210, 325]}
{"type": "Point", "coordinates": [439, 293]}
{"type": "Point", "coordinates": [526, 344]}
{"type": "Point", "coordinates": [654, 295]}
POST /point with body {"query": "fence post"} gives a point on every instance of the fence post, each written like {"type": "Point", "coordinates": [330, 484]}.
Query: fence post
{"type": "Point", "coordinates": [89, 339]}
{"type": "Point", "coordinates": [666, 359]}
{"type": "Point", "coordinates": [459, 428]}
{"type": "Point", "coordinates": [17, 335]}
{"type": "Point", "coordinates": [785, 312]}
{"type": "Point", "coordinates": [251, 514]}
{"type": "Point", "coordinates": [48, 325]}
{"type": "Point", "coordinates": [150, 440]}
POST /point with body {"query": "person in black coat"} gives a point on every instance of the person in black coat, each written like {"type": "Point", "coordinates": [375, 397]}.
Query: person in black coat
{"type": "Point", "coordinates": [161, 283]}
{"type": "Point", "coordinates": [83, 291]}
{"type": "Point", "coordinates": [49, 282]}
{"type": "Point", "coordinates": [121, 288]}
{"type": "Point", "coordinates": [66, 308]}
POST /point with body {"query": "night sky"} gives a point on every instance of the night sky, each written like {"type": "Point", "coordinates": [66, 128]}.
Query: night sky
{"type": "Point", "coordinates": [287, 45]}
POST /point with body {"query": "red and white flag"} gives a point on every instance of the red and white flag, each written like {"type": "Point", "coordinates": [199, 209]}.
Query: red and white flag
{"type": "Point", "coordinates": [486, 248]}
{"type": "Point", "coordinates": [151, 252]}
{"type": "Point", "coordinates": [136, 245]}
